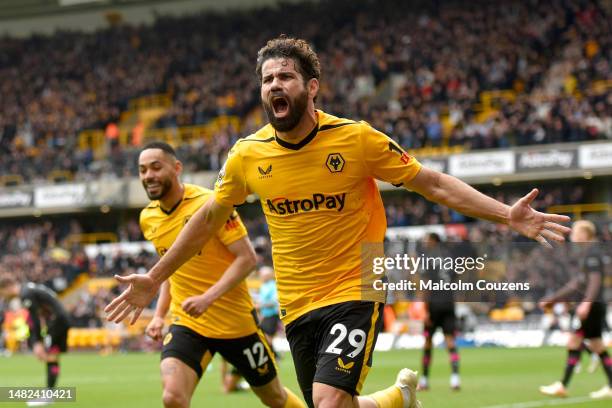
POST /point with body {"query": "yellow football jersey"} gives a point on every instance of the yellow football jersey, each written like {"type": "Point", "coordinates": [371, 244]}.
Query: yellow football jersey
{"type": "Point", "coordinates": [321, 203]}
{"type": "Point", "coordinates": [231, 316]}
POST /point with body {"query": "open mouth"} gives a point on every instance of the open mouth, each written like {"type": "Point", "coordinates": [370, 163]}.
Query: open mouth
{"type": "Point", "coordinates": [280, 105]}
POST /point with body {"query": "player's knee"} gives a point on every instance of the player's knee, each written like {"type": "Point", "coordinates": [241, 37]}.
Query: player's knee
{"type": "Point", "coordinates": [174, 399]}
{"type": "Point", "coordinates": [332, 398]}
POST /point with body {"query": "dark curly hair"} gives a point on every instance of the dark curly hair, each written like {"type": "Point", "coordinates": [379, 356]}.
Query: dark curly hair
{"type": "Point", "coordinates": [169, 150]}
{"type": "Point", "coordinates": [306, 60]}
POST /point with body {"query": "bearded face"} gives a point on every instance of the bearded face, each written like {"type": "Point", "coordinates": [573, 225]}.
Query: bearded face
{"type": "Point", "coordinates": [157, 173]}
{"type": "Point", "coordinates": [284, 95]}
{"type": "Point", "coordinates": [157, 188]}
{"type": "Point", "coordinates": [284, 112]}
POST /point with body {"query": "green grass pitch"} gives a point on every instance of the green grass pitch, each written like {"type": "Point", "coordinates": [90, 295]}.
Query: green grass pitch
{"type": "Point", "coordinates": [491, 377]}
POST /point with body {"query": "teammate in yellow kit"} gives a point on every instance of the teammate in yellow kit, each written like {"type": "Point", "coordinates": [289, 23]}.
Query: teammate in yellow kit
{"type": "Point", "coordinates": [210, 304]}
{"type": "Point", "coordinates": [315, 176]}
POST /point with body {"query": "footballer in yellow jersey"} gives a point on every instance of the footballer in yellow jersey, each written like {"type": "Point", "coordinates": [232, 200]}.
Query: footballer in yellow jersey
{"type": "Point", "coordinates": [315, 176]}
{"type": "Point", "coordinates": [231, 315]}
{"type": "Point", "coordinates": [319, 223]}
{"type": "Point", "coordinates": [319, 219]}
{"type": "Point", "coordinates": [208, 297]}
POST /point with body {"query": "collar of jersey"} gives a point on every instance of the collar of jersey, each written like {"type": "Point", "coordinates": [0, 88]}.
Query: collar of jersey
{"type": "Point", "coordinates": [189, 193]}
{"type": "Point", "coordinates": [170, 211]}
{"type": "Point", "coordinates": [302, 143]}
{"type": "Point", "coordinates": [186, 192]}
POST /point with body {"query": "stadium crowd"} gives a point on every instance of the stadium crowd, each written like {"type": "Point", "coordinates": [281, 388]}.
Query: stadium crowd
{"type": "Point", "coordinates": [410, 75]}
{"type": "Point", "coordinates": [39, 252]}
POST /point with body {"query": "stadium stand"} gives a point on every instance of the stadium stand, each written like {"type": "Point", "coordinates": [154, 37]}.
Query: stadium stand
{"type": "Point", "coordinates": [481, 77]}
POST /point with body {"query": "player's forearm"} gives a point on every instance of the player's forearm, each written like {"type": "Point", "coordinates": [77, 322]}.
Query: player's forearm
{"type": "Point", "coordinates": [163, 303]}
{"type": "Point", "coordinates": [200, 228]}
{"type": "Point", "coordinates": [454, 193]}
{"type": "Point", "coordinates": [565, 292]}
{"type": "Point", "coordinates": [463, 198]}
{"type": "Point", "coordinates": [592, 288]}
{"type": "Point", "coordinates": [234, 274]}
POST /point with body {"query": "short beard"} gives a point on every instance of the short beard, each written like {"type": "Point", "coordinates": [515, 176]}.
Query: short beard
{"type": "Point", "coordinates": [297, 108]}
{"type": "Point", "coordinates": [166, 185]}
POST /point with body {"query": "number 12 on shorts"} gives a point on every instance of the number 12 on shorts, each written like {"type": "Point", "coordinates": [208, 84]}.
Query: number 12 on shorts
{"type": "Point", "coordinates": [257, 350]}
{"type": "Point", "coordinates": [356, 338]}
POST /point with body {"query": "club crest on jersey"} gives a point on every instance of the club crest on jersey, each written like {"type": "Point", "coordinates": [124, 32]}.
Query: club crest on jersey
{"type": "Point", "coordinates": [283, 206]}
{"type": "Point", "coordinates": [335, 162]}
{"type": "Point", "coordinates": [265, 173]}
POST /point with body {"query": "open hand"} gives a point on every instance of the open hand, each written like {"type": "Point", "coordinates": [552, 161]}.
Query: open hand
{"type": "Point", "coordinates": [537, 225]}
{"type": "Point", "coordinates": [138, 295]}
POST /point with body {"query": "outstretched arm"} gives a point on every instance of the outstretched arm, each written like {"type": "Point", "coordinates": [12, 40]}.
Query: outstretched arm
{"type": "Point", "coordinates": [201, 227]}
{"type": "Point", "coordinates": [143, 288]}
{"type": "Point", "coordinates": [454, 193]}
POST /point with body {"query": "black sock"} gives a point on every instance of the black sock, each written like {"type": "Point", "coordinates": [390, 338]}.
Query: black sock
{"type": "Point", "coordinates": [52, 374]}
{"type": "Point", "coordinates": [426, 362]}
{"type": "Point", "coordinates": [606, 363]}
{"type": "Point", "coordinates": [454, 359]}
{"type": "Point", "coordinates": [572, 359]}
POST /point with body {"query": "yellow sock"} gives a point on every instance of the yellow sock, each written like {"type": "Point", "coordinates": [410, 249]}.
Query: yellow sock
{"type": "Point", "coordinates": [293, 401]}
{"type": "Point", "coordinates": [389, 398]}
